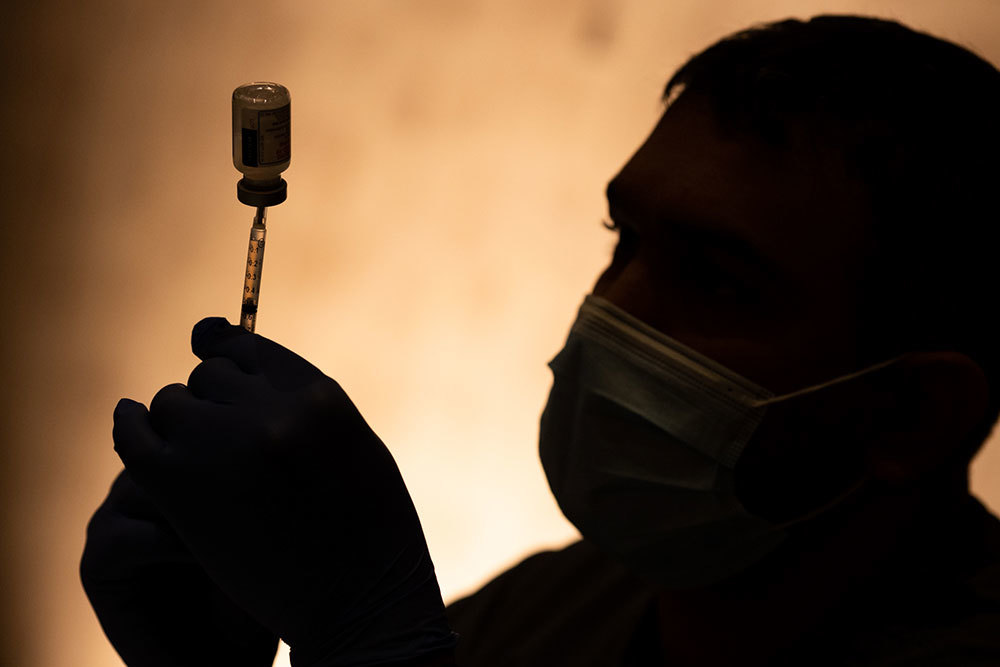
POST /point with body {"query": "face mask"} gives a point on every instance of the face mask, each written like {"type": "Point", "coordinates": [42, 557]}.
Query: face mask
{"type": "Point", "coordinates": [639, 440]}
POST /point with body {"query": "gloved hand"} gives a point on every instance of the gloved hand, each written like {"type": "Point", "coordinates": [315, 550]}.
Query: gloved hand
{"type": "Point", "coordinates": [293, 506]}
{"type": "Point", "coordinates": [156, 605]}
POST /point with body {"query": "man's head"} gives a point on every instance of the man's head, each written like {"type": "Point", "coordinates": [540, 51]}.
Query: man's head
{"type": "Point", "coordinates": [818, 197]}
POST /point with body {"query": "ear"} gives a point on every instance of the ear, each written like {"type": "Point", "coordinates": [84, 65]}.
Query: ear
{"type": "Point", "coordinates": [932, 404]}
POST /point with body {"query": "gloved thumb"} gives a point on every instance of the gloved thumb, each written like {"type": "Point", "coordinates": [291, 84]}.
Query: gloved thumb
{"type": "Point", "coordinates": [252, 353]}
{"type": "Point", "coordinates": [216, 337]}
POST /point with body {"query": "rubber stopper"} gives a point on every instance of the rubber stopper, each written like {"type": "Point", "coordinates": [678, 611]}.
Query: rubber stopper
{"type": "Point", "coordinates": [252, 194]}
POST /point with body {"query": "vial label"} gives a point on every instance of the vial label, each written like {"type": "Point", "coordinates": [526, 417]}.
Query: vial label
{"type": "Point", "coordinates": [266, 136]}
{"type": "Point", "coordinates": [275, 135]}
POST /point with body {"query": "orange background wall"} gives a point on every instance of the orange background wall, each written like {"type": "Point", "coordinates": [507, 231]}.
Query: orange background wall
{"type": "Point", "coordinates": [442, 226]}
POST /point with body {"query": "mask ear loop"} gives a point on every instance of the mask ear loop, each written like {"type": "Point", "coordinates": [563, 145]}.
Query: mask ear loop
{"type": "Point", "coordinates": [863, 478]}
{"type": "Point", "coordinates": [827, 506]}
{"type": "Point", "coordinates": [764, 402]}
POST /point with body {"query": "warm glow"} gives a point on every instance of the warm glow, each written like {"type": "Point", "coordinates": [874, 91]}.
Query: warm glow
{"type": "Point", "coordinates": [443, 223]}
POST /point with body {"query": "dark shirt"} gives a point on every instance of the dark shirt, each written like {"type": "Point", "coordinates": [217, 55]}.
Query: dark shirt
{"type": "Point", "coordinates": [576, 607]}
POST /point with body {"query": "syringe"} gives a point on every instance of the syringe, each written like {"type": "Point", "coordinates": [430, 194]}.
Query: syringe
{"type": "Point", "coordinates": [255, 265]}
{"type": "Point", "coordinates": [262, 149]}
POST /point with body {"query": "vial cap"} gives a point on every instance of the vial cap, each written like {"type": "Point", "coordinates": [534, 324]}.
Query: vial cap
{"type": "Point", "coordinates": [255, 193]}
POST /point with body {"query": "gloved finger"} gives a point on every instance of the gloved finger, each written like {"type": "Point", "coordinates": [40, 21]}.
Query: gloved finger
{"type": "Point", "coordinates": [220, 380]}
{"type": "Point", "coordinates": [120, 547]}
{"type": "Point", "coordinates": [177, 415]}
{"type": "Point", "coordinates": [127, 499]}
{"type": "Point", "coordinates": [138, 446]}
{"type": "Point", "coordinates": [285, 370]}
{"type": "Point", "coordinates": [175, 615]}
{"type": "Point", "coordinates": [165, 611]}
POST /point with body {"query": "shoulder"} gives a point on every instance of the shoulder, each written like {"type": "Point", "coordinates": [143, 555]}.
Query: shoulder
{"type": "Point", "coordinates": [950, 615]}
{"type": "Point", "coordinates": [546, 575]}
{"type": "Point", "coordinates": [551, 606]}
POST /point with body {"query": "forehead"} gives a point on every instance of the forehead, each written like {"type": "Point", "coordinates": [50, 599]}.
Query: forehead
{"type": "Point", "coordinates": [794, 204]}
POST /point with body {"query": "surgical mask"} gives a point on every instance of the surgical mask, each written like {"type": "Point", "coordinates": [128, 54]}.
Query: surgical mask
{"type": "Point", "coordinates": [639, 440]}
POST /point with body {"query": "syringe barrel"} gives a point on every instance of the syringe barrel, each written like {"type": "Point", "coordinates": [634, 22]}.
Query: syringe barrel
{"type": "Point", "coordinates": [251, 282]}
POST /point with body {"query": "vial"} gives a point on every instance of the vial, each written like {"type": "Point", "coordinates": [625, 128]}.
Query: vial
{"type": "Point", "coordinates": [262, 141]}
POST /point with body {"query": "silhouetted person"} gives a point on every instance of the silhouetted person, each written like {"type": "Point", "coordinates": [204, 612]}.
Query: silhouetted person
{"type": "Point", "coordinates": [761, 422]}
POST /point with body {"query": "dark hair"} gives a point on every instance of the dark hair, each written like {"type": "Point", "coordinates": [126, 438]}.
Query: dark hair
{"type": "Point", "coordinates": [917, 120]}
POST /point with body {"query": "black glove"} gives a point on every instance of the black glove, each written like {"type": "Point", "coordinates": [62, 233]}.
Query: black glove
{"type": "Point", "coordinates": [289, 501]}
{"type": "Point", "coordinates": [157, 606]}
